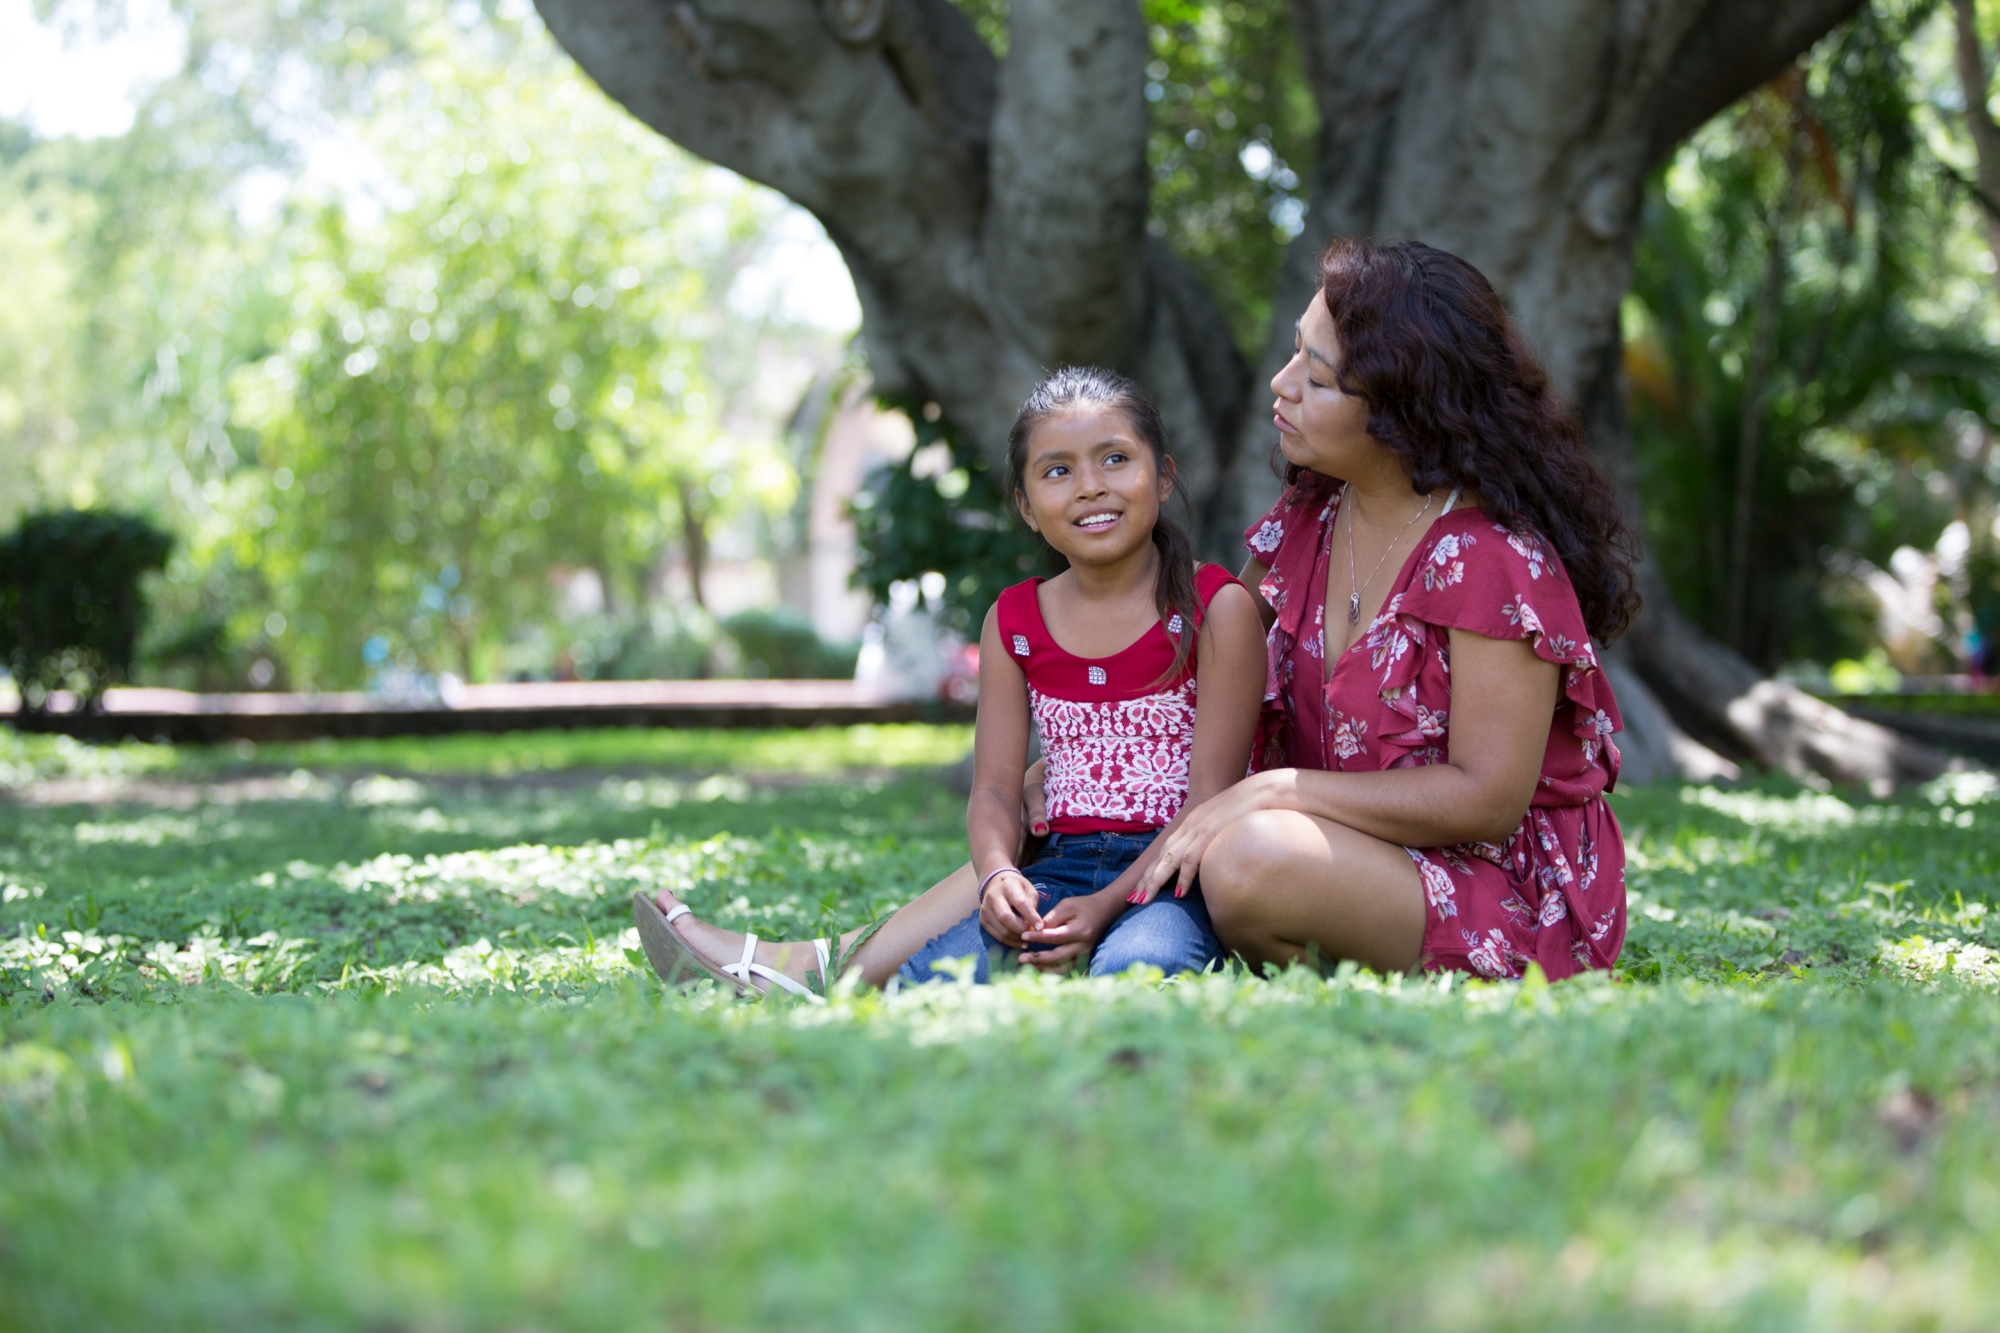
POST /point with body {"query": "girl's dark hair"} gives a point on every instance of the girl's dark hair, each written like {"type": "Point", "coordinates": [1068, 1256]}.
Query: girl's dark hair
{"type": "Point", "coordinates": [1076, 387]}
{"type": "Point", "coordinates": [1453, 387]}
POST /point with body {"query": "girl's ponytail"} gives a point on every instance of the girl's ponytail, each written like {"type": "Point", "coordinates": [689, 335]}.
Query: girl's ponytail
{"type": "Point", "coordinates": [1089, 386]}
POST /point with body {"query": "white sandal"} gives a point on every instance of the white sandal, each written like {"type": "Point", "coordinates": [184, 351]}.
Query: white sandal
{"type": "Point", "coordinates": [747, 966]}
{"type": "Point", "coordinates": [678, 962]}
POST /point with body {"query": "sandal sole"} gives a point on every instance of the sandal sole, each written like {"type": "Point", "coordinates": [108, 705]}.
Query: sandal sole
{"type": "Point", "coordinates": [674, 962]}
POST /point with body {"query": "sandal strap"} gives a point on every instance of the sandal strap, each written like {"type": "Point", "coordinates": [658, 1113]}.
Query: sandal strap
{"type": "Point", "coordinates": [740, 969]}
{"type": "Point", "coordinates": [680, 910]}
{"type": "Point", "coordinates": [747, 967]}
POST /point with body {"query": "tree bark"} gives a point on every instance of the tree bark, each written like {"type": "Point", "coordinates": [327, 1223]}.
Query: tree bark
{"type": "Point", "coordinates": [992, 215]}
{"type": "Point", "coordinates": [1972, 82]}
{"type": "Point", "coordinates": [694, 541]}
{"type": "Point", "coordinates": [1518, 134]}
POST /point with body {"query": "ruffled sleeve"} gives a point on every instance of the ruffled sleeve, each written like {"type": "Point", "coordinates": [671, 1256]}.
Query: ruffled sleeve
{"type": "Point", "coordinates": [1473, 574]}
{"type": "Point", "coordinates": [1286, 540]}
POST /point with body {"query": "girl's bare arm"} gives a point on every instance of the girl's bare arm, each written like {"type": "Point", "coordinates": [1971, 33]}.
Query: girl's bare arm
{"type": "Point", "coordinates": [999, 759]}
{"type": "Point", "coordinates": [1252, 575]}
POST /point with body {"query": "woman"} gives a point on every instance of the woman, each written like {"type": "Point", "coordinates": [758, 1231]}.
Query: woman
{"type": "Point", "coordinates": [1437, 742]}
{"type": "Point", "coordinates": [1442, 732]}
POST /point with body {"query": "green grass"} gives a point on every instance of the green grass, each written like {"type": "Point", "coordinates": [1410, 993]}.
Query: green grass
{"type": "Point", "coordinates": [819, 751]}
{"type": "Point", "coordinates": [357, 1042]}
{"type": "Point", "coordinates": [1961, 705]}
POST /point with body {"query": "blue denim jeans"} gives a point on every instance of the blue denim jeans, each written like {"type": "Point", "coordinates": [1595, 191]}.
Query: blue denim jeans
{"type": "Point", "coordinates": [1173, 934]}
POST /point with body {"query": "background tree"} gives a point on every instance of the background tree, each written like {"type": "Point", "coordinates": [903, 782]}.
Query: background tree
{"type": "Point", "coordinates": [1803, 366]}
{"type": "Point", "coordinates": [502, 381]}
{"type": "Point", "coordinates": [179, 345]}
{"type": "Point", "coordinates": [993, 212]}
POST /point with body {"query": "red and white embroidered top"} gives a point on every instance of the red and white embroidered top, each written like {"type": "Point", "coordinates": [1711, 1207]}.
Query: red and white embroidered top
{"type": "Point", "coordinates": [1116, 731]}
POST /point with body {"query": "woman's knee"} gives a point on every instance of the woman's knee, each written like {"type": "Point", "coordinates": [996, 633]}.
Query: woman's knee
{"type": "Point", "coordinates": [1246, 854]}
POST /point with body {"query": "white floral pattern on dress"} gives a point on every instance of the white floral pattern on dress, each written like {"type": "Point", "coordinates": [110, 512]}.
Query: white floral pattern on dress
{"type": "Point", "coordinates": [1445, 567]}
{"type": "Point", "coordinates": [1518, 612]}
{"type": "Point", "coordinates": [1495, 956]}
{"type": "Point", "coordinates": [1124, 761]}
{"type": "Point", "coordinates": [1438, 888]}
{"type": "Point", "coordinates": [1020, 645]}
{"type": "Point", "coordinates": [1529, 549]}
{"type": "Point", "coordinates": [1266, 539]}
{"type": "Point", "coordinates": [1349, 736]}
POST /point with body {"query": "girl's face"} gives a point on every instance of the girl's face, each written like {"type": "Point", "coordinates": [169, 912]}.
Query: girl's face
{"type": "Point", "coordinates": [1320, 427]}
{"type": "Point", "coordinates": [1091, 486]}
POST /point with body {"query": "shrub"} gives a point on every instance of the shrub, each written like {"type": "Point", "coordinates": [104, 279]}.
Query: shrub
{"type": "Point", "coordinates": [780, 644]}
{"type": "Point", "coordinates": [70, 609]}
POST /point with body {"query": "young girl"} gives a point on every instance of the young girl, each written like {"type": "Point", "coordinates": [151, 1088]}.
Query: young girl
{"type": "Point", "coordinates": [1103, 662]}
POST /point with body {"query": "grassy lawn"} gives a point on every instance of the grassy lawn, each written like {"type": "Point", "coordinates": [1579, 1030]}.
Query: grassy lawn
{"type": "Point", "coordinates": [349, 1036]}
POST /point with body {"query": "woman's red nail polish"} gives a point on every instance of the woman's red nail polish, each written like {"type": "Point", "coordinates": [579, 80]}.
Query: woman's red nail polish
{"type": "Point", "coordinates": [1041, 828]}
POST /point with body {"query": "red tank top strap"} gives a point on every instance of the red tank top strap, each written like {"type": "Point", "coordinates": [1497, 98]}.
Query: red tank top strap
{"type": "Point", "coordinates": [1208, 581]}
{"type": "Point", "coordinates": [1018, 615]}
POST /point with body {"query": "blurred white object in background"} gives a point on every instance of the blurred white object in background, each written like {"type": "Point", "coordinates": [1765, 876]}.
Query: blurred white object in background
{"type": "Point", "coordinates": [906, 652]}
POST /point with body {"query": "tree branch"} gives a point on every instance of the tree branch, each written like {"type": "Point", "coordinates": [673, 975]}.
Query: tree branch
{"type": "Point", "coordinates": [1065, 223]}
{"type": "Point", "coordinates": [837, 104]}
{"type": "Point", "coordinates": [1973, 83]}
{"type": "Point", "coordinates": [1730, 48]}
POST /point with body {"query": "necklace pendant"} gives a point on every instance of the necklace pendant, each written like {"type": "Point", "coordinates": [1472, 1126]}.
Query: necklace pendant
{"type": "Point", "coordinates": [1354, 608]}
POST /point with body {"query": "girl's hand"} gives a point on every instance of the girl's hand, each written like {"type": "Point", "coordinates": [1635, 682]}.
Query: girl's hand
{"type": "Point", "coordinates": [1034, 802]}
{"type": "Point", "coordinates": [1181, 847]}
{"type": "Point", "coordinates": [1010, 908]}
{"type": "Point", "coordinates": [1074, 926]}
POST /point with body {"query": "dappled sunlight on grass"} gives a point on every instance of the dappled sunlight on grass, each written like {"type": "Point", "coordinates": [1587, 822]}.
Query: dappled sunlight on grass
{"type": "Point", "coordinates": [1750, 884]}
{"type": "Point", "coordinates": [405, 1010]}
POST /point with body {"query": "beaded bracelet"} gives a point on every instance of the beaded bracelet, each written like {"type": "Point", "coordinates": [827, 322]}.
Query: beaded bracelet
{"type": "Point", "coordinates": [995, 875]}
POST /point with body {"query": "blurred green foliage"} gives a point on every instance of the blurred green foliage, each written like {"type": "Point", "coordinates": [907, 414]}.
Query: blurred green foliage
{"type": "Point", "coordinates": [1808, 264]}
{"type": "Point", "coordinates": [500, 383]}
{"type": "Point", "coordinates": [393, 422]}
{"type": "Point", "coordinates": [71, 604]}
{"type": "Point", "coordinates": [783, 645]}
{"type": "Point", "coordinates": [941, 510]}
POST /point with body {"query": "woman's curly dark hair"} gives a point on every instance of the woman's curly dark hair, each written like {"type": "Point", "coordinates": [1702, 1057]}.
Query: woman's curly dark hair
{"type": "Point", "coordinates": [1454, 388]}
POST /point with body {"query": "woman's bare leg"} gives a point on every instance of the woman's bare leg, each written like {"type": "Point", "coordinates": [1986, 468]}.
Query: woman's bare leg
{"type": "Point", "coordinates": [1278, 882]}
{"type": "Point", "coordinates": [914, 925]}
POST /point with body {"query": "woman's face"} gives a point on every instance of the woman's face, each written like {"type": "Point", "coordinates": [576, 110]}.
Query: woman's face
{"type": "Point", "coordinates": [1091, 486]}
{"type": "Point", "coordinates": [1319, 427]}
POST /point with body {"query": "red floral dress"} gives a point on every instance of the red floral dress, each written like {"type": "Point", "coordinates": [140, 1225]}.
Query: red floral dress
{"type": "Point", "coordinates": [1554, 892]}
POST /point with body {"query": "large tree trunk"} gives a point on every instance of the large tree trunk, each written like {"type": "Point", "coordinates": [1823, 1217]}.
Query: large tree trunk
{"type": "Point", "coordinates": [993, 214]}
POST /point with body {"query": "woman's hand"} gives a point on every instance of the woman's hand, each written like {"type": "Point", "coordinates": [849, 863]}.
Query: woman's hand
{"type": "Point", "coordinates": [1010, 907]}
{"type": "Point", "coordinates": [1073, 926]}
{"type": "Point", "coordinates": [1180, 848]}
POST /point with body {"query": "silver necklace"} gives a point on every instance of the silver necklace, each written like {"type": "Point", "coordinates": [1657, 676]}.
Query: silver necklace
{"type": "Point", "coordinates": [1354, 595]}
